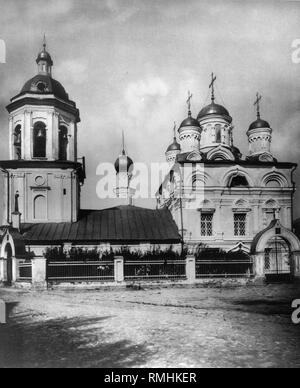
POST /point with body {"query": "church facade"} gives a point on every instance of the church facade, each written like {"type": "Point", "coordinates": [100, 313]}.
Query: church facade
{"type": "Point", "coordinates": [225, 200]}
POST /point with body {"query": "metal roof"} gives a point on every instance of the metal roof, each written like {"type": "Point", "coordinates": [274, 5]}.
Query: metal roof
{"type": "Point", "coordinates": [123, 224]}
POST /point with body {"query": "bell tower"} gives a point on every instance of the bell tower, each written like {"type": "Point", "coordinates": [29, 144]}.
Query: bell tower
{"type": "Point", "coordinates": [43, 166]}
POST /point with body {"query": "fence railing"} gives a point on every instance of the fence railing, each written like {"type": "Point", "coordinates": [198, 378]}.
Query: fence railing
{"type": "Point", "coordinates": [80, 271]}
{"type": "Point", "coordinates": [155, 270]}
{"type": "Point", "coordinates": [132, 270]}
{"type": "Point", "coordinates": [223, 268]}
{"type": "Point", "coordinates": [24, 271]}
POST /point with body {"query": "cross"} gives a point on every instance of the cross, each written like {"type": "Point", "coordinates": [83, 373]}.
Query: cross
{"type": "Point", "coordinates": [257, 101]}
{"type": "Point", "coordinates": [174, 129]}
{"type": "Point", "coordinates": [212, 86]}
{"type": "Point", "coordinates": [188, 101]}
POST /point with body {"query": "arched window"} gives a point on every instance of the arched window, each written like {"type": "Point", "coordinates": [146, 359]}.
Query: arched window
{"type": "Point", "coordinates": [63, 143]}
{"type": "Point", "coordinates": [218, 133]}
{"type": "Point", "coordinates": [18, 142]}
{"type": "Point", "coordinates": [39, 208]}
{"type": "Point", "coordinates": [39, 140]}
{"type": "Point", "coordinates": [238, 181]}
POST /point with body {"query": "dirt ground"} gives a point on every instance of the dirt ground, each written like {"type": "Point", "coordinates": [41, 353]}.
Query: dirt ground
{"type": "Point", "coordinates": [169, 327]}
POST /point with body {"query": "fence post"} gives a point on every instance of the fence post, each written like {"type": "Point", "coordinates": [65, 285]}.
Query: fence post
{"type": "Point", "coordinates": [259, 265]}
{"type": "Point", "coordinates": [39, 268]}
{"type": "Point", "coordinates": [190, 268]}
{"type": "Point", "coordinates": [15, 269]}
{"type": "Point", "coordinates": [119, 269]}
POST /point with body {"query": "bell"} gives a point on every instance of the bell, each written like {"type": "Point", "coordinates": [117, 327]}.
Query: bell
{"type": "Point", "coordinates": [40, 134]}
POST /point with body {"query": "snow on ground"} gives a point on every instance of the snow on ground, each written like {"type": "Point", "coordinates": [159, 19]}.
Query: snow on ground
{"type": "Point", "coordinates": [168, 327]}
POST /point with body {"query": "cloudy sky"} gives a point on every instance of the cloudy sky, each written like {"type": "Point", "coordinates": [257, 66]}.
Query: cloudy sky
{"type": "Point", "coordinates": [129, 64]}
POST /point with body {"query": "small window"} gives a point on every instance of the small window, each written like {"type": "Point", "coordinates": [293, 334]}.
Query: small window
{"type": "Point", "coordinates": [207, 224]}
{"type": "Point", "coordinates": [41, 86]}
{"type": "Point", "coordinates": [240, 221]}
{"type": "Point", "coordinates": [218, 133]}
{"type": "Point", "coordinates": [239, 181]}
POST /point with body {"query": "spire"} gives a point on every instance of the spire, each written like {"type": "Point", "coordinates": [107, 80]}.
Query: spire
{"type": "Point", "coordinates": [257, 104]}
{"type": "Point", "coordinates": [44, 43]}
{"type": "Point", "coordinates": [123, 143]}
{"type": "Point", "coordinates": [212, 87]}
{"type": "Point", "coordinates": [44, 59]}
{"type": "Point", "coordinates": [188, 101]}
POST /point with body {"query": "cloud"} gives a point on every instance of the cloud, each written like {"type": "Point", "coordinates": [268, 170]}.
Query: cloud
{"type": "Point", "coordinates": [74, 71]}
{"type": "Point", "coordinates": [144, 95]}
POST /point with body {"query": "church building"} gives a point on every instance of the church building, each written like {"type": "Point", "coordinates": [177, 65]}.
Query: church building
{"type": "Point", "coordinates": [229, 201]}
{"type": "Point", "coordinates": [213, 197]}
{"type": "Point", "coordinates": [41, 183]}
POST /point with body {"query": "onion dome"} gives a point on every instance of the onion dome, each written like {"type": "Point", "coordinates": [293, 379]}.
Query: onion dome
{"type": "Point", "coordinates": [175, 146]}
{"type": "Point", "coordinates": [216, 110]}
{"type": "Point", "coordinates": [189, 122]}
{"type": "Point", "coordinates": [44, 56]}
{"type": "Point", "coordinates": [124, 163]}
{"type": "Point", "coordinates": [259, 123]}
{"type": "Point", "coordinates": [45, 84]}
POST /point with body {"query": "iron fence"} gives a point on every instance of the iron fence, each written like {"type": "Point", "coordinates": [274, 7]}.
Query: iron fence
{"type": "Point", "coordinates": [223, 268]}
{"type": "Point", "coordinates": [154, 270]}
{"type": "Point", "coordinates": [25, 271]}
{"type": "Point", "coordinates": [80, 271]}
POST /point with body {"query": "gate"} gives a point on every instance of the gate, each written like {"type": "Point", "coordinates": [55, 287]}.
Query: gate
{"type": "Point", "coordinates": [277, 260]}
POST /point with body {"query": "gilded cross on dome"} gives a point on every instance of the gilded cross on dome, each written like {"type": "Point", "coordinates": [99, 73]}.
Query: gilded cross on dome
{"type": "Point", "coordinates": [256, 103]}
{"type": "Point", "coordinates": [212, 86]}
{"type": "Point", "coordinates": [188, 101]}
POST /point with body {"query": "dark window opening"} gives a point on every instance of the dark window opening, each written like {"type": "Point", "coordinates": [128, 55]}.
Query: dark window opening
{"type": "Point", "coordinates": [41, 86]}
{"type": "Point", "coordinates": [39, 140]}
{"type": "Point", "coordinates": [218, 133]}
{"type": "Point", "coordinates": [239, 181]}
{"type": "Point", "coordinates": [63, 143]}
{"type": "Point", "coordinates": [18, 142]}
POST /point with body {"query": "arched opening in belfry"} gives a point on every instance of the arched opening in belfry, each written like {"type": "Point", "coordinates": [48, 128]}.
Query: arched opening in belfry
{"type": "Point", "coordinates": [39, 140]}
{"type": "Point", "coordinates": [63, 143]}
{"type": "Point", "coordinates": [18, 142]}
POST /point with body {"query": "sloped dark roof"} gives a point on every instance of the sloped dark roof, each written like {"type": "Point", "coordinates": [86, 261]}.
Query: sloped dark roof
{"type": "Point", "coordinates": [51, 86]}
{"type": "Point", "coordinates": [123, 224]}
